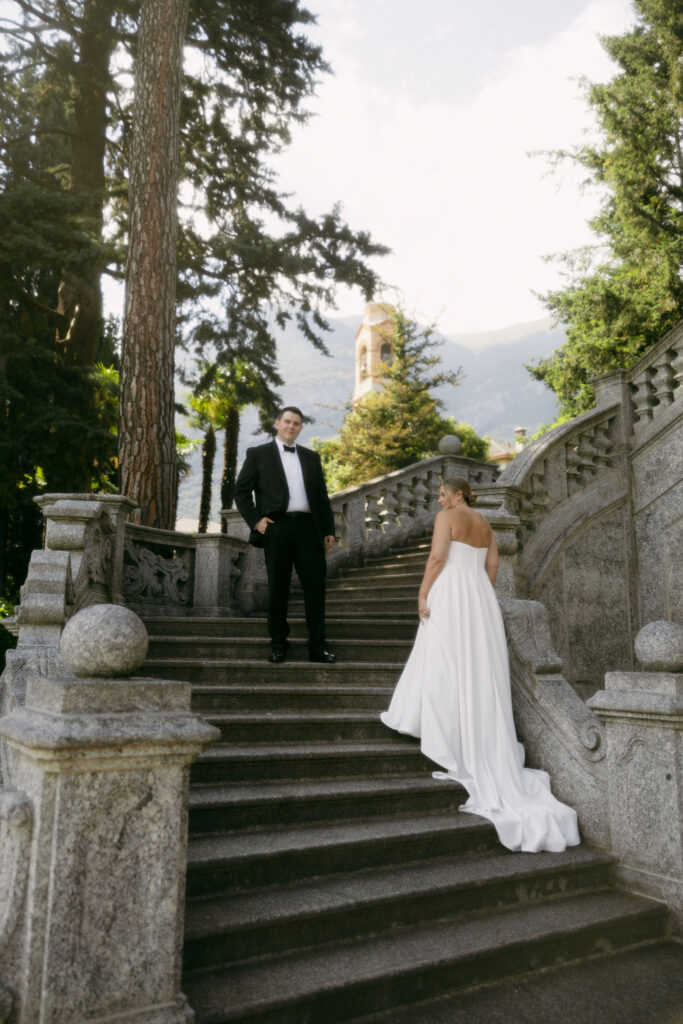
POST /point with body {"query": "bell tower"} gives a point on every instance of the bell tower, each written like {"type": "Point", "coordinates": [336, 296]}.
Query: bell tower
{"type": "Point", "coordinates": [374, 346]}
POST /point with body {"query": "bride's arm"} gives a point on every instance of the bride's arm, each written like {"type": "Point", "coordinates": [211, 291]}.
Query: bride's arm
{"type": "Point", "coordinates": [441, 539]}
{"type": "Point", "coordinates": [491, 563]}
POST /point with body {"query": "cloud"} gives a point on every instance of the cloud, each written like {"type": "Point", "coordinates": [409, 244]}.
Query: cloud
{"type": "Point", "coordinates": [447, 182]}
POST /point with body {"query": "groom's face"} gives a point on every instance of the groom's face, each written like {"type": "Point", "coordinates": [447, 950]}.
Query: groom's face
{"type": "Point", "coordinates": [288, 427]}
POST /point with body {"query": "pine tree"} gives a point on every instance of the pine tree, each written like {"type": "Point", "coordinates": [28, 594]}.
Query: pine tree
{"type": "Point", "coordinates": [147, 454]}
{"type": "Point", "coordinates": [57, 420]}
{"type": "Point", "coordinates": [626, 291]}
{"type": "Point", "coordinates": [257, 69]}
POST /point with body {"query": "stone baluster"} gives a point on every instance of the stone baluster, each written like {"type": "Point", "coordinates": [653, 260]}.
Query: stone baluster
{"type": "Point", "coordinates": [433, 483]}
{"type": "Point", "coordinates": [405, 509]}
{"type": "Point", "coordinates": [388, 506]}
{"type": "Point", "coordinates": [573, 462]}
{"type": "Point", "coordinates": [539, 496]}
{"type": "Point", "coordinates": [421, 497]}
{"type": "Point", "coordinates": [104, 761]}
{"type": "Point", "coordinates": [354, 518]}
{"type": "Point", "coordinates": [340, 525]}
{"type": "Point", "coordinates": [663, 380]}
{"type": "Point", "coordinates": [677, 368]}
{"type": "Point", "coordinates": [602, 445]}
{"type": "Point", "coordinates": [373, 521]}
{"type": "Point", "coordinates": [643, 717]}
{"type": "Point", "coordinates": [587, 454]}
{"type": "Point", "coordinates": [643, 396]}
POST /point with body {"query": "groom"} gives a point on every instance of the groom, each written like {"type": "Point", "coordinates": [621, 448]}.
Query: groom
{"type": "Point", "coordinates": [281, 493]}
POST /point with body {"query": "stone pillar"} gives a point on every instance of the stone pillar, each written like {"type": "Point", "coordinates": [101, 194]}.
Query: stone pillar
{"type": "Point", "coordinates": [67, 518]}
{"type": "Point", "coordinates": [494, 503]}
{"type": "Point", "coordinates": [643, 717]}
{"type": "Point", "coordinates": [104, 761]}
{"type": "Point", "coordinates": [215, 574]}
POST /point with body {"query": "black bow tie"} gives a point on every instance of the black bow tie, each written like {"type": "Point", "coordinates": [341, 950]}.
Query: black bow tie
{"type": "Point", "coordinates": [288, 449]}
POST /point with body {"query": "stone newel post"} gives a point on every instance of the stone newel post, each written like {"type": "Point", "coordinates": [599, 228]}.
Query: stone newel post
{"type": "Point", "coordinates": [103, 761]}
{"type": "Point", "coordinates": [643, 716]}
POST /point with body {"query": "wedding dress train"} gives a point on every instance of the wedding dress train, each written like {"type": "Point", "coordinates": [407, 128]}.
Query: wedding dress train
{"type": "Point", "coordinates": [454, 694]}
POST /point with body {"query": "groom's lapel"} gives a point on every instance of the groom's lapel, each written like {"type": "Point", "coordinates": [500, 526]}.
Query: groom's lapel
{"type": "Point", "coordinates": [306, 467]}
{"type": "Point", "coordinates": [276, 467]}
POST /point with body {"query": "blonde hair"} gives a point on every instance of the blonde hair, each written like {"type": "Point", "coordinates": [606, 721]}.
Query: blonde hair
{"type": "Point", "coordinates": [453, 484]}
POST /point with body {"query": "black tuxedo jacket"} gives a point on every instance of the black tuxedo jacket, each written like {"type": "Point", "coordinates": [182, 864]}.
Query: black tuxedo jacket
{"type": "Point", "coordinates": [261, 489]}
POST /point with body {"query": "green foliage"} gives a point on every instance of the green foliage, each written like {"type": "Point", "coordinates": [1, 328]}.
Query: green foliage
{"type": "Point", "coordinates": [402, 423]}
{"type": "Point", "coordinates": [624, 293]}
{"type": "Point", "coordinates": [244, 249]}
{"type": "Point", "coordinates": [7, 640]}
{"type": "Point", "coordinates": [184, 446]}
{"type": "Point", "coordinates": [473, 446]}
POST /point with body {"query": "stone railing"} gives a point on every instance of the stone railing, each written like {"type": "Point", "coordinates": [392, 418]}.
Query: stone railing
{"type": "Point", "coordinates": [376, 514]}
{"type": "Point", "coordinates": [81, 564]}
{"type": "Point", "coordinates": [596, 499]}
{"type": "Point", "coordinates": [93, 556]}
{"type": "Point", "coordinates": [371, 517]}
{"type": "Point", "coordinates": [170, 573]}
{"type": "Point", "coordinates": [655, 381]}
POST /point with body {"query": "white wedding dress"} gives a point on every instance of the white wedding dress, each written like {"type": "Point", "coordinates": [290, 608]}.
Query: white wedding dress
{"type": "Point", "coordinates": [454, 694]}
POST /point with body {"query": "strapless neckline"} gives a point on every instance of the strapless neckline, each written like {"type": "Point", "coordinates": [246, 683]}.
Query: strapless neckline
{"type": "Point", "coordinates": [474, 548]}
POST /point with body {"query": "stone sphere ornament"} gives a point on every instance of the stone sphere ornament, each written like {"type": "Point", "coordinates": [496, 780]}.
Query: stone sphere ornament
{"type": "Point", "coordinates": [659, 646]}
{"type": "Point", "coordinates": [104, 640]}
{"type": "Point", "coordinates": [450, 445]}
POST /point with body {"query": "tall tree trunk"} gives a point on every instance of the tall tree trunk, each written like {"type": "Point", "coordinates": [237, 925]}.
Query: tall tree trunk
{"type": "Point", "coordinates": [4, 538]}
{"type": "Point", "coordinates": [208, 456]}
{"type": "Point", "coordinates": [232, 434]}
{"type": "Point", "coordinates": [80, 294]}
{"type": "Point", "coordinates": [146, 409]}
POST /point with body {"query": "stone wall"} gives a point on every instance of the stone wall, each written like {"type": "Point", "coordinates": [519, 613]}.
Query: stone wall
{"type": "Point", "coordinates": [600, 502]}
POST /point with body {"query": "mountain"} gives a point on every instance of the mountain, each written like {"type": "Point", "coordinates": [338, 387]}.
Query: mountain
{"type": "Point", "coordinates": [496, 395]}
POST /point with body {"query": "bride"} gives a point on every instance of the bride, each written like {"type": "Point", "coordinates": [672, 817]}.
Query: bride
{"type": "Point", "coordinates": [454, 693]}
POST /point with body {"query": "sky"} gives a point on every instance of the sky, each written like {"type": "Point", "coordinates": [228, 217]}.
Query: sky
{"type": "Point", "coordinates": [424, 132]}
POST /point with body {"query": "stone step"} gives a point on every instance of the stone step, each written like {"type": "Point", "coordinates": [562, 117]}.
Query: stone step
{"type": "Point", "coordinates": [413, 563]}
{"type": "Point", "coordinates": [374, 589]}
{"type": "Point", "coordinates": [371, 576]}
{"type": "Point", "coordinates": [289, 697]}
{"type": "Point", "coordinates": [272, 727]}
{"type": "Point", "coordinates": [413, 551]}
{"type": "Point", "coordinates": [253, 858]}
{"type": "Point", "coordinates": [235, 648]}
{"type": "Point", "coordinates": [223, 671]}
{"type": "Point", "coordinates": [274, 804]}
{"type": "Point", "coordinates": [244, 763]}
{"type": "Point", "coordinates": [634, 986]}
{"type": "Point", "coordinates": [347, 627]}
{"type": "Point", "coordinates": [364, 605]}
{"type": "Point", "coordinates": [336, 982]}
{"type": "Point", "coordinates": [244, 925]}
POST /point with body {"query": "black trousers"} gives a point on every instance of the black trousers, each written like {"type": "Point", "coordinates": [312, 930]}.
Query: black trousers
{"type": "Point", "coordinates": [291, 542]}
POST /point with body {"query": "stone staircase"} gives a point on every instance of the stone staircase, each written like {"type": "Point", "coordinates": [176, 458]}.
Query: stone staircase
{"type": "Point", "coordinates": [331, 879]}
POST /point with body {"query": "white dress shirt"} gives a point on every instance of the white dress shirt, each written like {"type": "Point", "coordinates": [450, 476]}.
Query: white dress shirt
{"type": "Point", "coordinates": [298, 502]}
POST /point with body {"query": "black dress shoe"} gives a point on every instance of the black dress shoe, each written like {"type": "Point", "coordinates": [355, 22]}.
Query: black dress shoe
{"type": "Point", "coordinates": [325, 657]}
{"type": "Point", "coordinates": [277, 656]}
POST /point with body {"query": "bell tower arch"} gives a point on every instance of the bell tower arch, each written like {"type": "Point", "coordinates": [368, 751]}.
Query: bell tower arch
{"type": "Point", "coordinates": [374, 346]}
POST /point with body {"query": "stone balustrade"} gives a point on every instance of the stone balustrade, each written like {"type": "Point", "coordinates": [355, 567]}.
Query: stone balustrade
{"type": "Point", "coordinates": [597, 501]}
{"type": "Point", "coordinates": [166, 572]}
{"type": "Point", "coordinates": [370, 517]}
{"type": "Point", "coordinates": [655, 380]}
{"type": "Point", "coordinates": [376, 513]}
